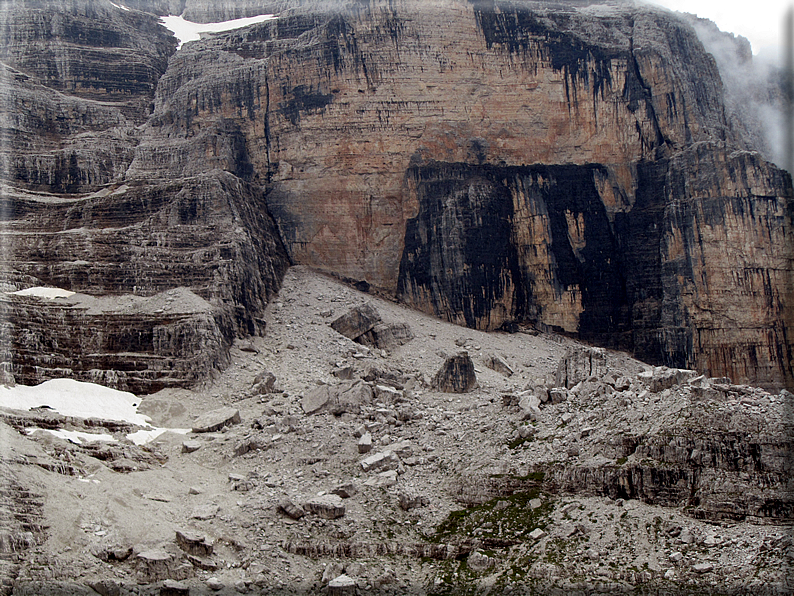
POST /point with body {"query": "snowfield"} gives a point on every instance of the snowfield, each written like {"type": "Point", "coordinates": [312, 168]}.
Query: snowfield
{"type": "Point", "coordinates": [74, 398]}
{"type": "Point", "coordinates": [84, 400]}
{"type": "Point", "coordinates": [186, 31]}
{"type": "Point", "coordinates": [41, 292]}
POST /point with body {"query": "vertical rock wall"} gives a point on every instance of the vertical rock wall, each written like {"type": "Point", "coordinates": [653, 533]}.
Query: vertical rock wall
{"type": "Point", "coordinates": [568, 166]}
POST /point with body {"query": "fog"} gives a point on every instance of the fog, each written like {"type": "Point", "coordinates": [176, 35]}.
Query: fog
{"type": "Point", "coordinates": [753, 89]}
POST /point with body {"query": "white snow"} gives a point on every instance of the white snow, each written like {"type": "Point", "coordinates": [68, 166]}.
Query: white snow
{"type": "Point", "coordinates": [42, 292]}
{"type": "Point", "coordinates": [186, 31]}
{"type": "Point", "coordinates": [84, 400]}
{"type": "Point", "coordinates": [121, 6]}
{"type": "Point", "coordinates": [142, 437]}
{"type": "Point", "coordinates": [74, 398]}
{"type": "Point", "coordinates": [75, 436]}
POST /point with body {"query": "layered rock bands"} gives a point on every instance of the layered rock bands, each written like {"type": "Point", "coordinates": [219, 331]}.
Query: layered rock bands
{"type": "Point", "coordinates": [567, 166]}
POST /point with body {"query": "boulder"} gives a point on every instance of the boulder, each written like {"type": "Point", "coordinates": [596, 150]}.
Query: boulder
{"type": "Point", "coordinates": [497, 364]}
{"type": "Point", "coordinates": [530, 405]}
{"type": "Point", "coordinates": [661, 378]}
{"type": "Point", "coordinates": [383, 460]}
{"type": "Point", "coordinates": [216, 420]}
{"type": "Point", "coordinates": [387, 336]}
{"type": "Point", "coordinates": [579, 364]}
{"type": "Point", "coordinates": [205, 512]}
{"type": "Point", "coordinates": [264, 382]}
{"type": "Point", "coordinates": [456, 375]}
{"type": "Point", "coordinates": [365, 443]}
{"type": "Point", "coordinates": [193, 544]}
{"type": "Point", "coordinates": [348, 396]}
{"type": "Point", "coordinates": [326, 506]}
{"type": "Point", "coordinates": [155, 565]}
{"type": "Point", "coordinates": [291, 509]}
{"type": "Point", "coordinates": [190, 446]}
{"type": "Point", "coordinates": [106, 587]}
{"type": "Point", "coordinates": [346, 490]}
{"type": "Point", "coordinates": [410, 499]}
{"type": "Point", "coordinates": [174, 588]}
{"type": "Point", "coordinates": [357, 321]}
{"type": "Point", "coordinates": [480, 562]}
{"type": "Point", "coordinates": [342, 586]}
{"type": "Point", "coordinates": [558, 395]}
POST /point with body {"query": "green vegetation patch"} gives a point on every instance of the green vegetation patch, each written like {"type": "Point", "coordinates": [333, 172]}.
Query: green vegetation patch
{"type": "Point", "coordinates": [502, 520]}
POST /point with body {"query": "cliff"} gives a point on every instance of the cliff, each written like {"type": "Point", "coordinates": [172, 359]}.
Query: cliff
{"type": "Point", "coordinates": [567, 166]}
{"type": "Point", "coordinates": [79, 80]}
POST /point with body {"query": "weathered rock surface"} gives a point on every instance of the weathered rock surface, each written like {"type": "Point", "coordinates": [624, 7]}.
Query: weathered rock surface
{"type": "Point", "coordinates": [348, 396]}
{"type": "Point", "coordinates": [643, 203]}
{"type": "Point", "coordinates": [611, 236]}
{"type": "Point", "coordinates": [581, 498]}
{"type": "Point", "coordinates": [357, 321]}
{"type": "Point", "coordinates": [456, 375]}
{"type": "Point", "coordinates": [216, 420]}
{"type": "Point", "coordinates": [75, 99]}
{"type": "Point", "coordinates": [327, 506]}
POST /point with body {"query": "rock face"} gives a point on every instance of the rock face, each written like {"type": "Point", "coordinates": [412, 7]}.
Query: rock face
{"type": "Point", "coordinates": [456, 375]}
{"type": "Point", "coordinates": [169, 270]}
{"type": "Point", "coordinates": [568, 167]}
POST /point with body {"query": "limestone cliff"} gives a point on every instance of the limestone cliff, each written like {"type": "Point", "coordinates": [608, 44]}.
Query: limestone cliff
{"type": "Point", "coordinates": [79, 80]}
{"type": "Point", "coordinates": [568, 165]}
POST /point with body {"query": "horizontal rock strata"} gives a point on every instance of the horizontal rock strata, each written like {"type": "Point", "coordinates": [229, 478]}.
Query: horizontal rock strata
{"type": "Point", "coordinates": [493, 163]}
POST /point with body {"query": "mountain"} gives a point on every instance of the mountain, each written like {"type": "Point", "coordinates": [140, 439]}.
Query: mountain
{"type": "Point", "coordinates": [267, 235]}
{"type": "Point", "coordinates": [563, 166]}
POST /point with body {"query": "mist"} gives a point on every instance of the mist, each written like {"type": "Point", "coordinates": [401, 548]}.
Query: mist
{"type": "Point", "coordinates": [753, 87]}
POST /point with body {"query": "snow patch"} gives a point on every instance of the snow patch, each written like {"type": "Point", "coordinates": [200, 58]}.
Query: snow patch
{"type": "Point", "coordinates": [142, 437]}
{"type": "Point", "coordinates": [42, 292]}
{"type": "Point", "coordinates": [121, 6]}
{"type": "Point", "coordinates": [186, 31]}
{"type": "Point", "coordinates": [75, 398]}
{"type": "Point", "coordinates": [75, 436]}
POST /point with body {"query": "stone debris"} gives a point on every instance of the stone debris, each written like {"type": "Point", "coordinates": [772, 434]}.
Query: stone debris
{"type": "Point", "coordinates": [293, 510]}
{"type": "Point", "coordinates": [456, 375]}
{"type": "Point", "coordinates": [579, 364]}
{"type": "Point", "coordinates": [326, 506]}
{"type": "Point", "coordinates": [342, 586]}
{"type": "Point", "coordinates": [365, 443]}
{"type": "Point", "coordinates": [194, 544]}
{"type": "Point", "coordinates": [356, 322]}
{"type": "Point", "coordinates": [174, 588]}
{"type": "Point", "coordinates": [525, 454]}
{"type": "Point", "coordinates": [496, 363]}
{"type": "Point", "coordinates": [216, 420]}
